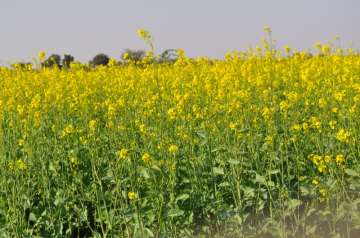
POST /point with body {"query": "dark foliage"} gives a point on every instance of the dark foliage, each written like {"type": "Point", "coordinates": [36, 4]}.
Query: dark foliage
{"type": "Point", "coordinates": [100, 59]}
{"type": "Point", "coordinates": [21, 65]}
{"type": "Point", "coordinates": [52, 61]}
{"type": "Point", "coordinates": [168, 56]}
{"type": "Point", "coordinates": [133, 55]}
{"type": "Point", "coordinates": [67, 60]}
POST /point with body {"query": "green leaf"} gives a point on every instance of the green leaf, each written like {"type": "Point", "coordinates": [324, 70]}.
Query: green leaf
{"type": "Point", "coordinates": [234, 161]}
{"type": "Point", "coordinates": [248, 192]}
{"type": "Point", "coordinates": [260, 179]}
{"type": "Point", "coordinates": [201, 134]}
{"type": "Point", "coordinates": [274, 171]}
{"type": "Point", "coordinates": [156, 168]}
{"type": "Point", "coordinates": [224, 184]}
{"type": "Point", "coordinates": [218, 171]}
{"type": "Point", "coordinates": [144, 172]}
{"type": "Point", "coordinates": [351, 172]}
{"type": "Point", "coordinates": [304, 190]}
{"type": "Point", "coordinates": [270, 183]}
{"type": "Point", "coordinates": [32, 217]}
{"type": "Point", "coordinates": [59, 199]}
{"type": "Point", "coordinates": [182, 197]}
{"type": "Point", "coordinates": [52, 169]}
{"type": "Point", "coordinates": [175, 213]}
{"type": "Point", "coordinates": [220, 148]}
{"type": "Point", "coordinates": [294, 203]}
{"type": "Point", "coordinates": [149, 232]}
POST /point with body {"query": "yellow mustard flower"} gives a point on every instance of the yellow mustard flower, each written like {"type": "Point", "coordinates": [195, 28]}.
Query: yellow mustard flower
{"type": "Point", "coordinates": [146, 157]}
{"type": "Point", "coordinates": [92, 126]}
{"type": "Point", "coordinates": [173, 149]}
{"type": "Point", "coordinates": [343, 135]}
{"type": "Point", "coordinates": [122, 154]}
{"type": "Point", "coordinates": [340, 159]}
{"type": "Point", "coordinates": [132, 195]}
{"type": "Point", "coordinates": [21, 165]}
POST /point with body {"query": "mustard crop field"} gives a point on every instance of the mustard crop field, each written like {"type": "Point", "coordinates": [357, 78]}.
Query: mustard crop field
{"type": "Point", "coordinates": [263, 143]}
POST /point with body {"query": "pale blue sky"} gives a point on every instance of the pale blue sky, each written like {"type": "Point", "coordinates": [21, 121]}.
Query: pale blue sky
{"type": "Point", "coordinates": [201, 27]}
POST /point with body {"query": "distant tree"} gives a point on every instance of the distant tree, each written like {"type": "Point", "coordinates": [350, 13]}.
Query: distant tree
{"type": "Point", "coordinates": [67, 60]}
{"type": "Point", "coordinates": [133, 55]}
{"type": "Point", "coordinates": [53, 60]}
{"type": "Point", "coordinates": [22, 65]}
{"type": "Point", "coordinates": [100, 59]}
{"type": "Point", "coordinates": [168, 56]}
{"type": "Point", "coordinates": [305, 55]}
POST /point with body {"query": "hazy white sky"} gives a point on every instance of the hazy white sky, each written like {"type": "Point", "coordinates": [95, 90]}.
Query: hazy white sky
{"type": "Point", "coordinates": [84, 28]}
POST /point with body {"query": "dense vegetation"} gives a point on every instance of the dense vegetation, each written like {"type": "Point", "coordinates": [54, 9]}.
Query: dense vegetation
{"type": "Point", "coordinates": [261, 144]}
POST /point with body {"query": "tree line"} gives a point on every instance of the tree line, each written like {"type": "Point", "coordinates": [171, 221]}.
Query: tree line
{"type": "Point", "coordinates": [55, 60]}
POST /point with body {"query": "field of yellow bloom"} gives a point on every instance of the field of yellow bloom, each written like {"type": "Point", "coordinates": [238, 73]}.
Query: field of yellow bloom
{"type": "Point", "coordinates": [261, 144]}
